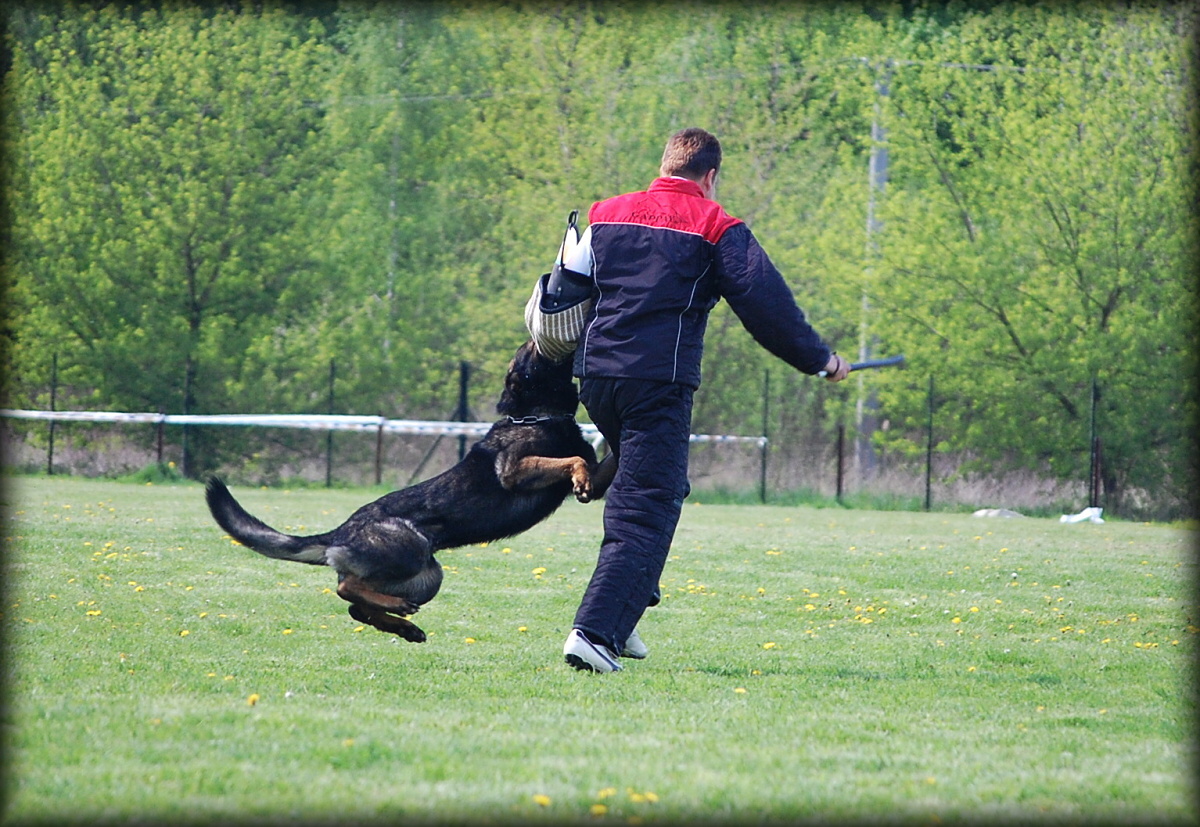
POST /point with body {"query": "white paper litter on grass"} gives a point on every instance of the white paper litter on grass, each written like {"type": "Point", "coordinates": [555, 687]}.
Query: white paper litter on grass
{"type": "Point", "coordinates": [1091, 515]}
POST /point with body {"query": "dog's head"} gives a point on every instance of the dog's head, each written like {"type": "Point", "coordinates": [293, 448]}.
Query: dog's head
{"type": "Point", "coordinates": [537, 385]}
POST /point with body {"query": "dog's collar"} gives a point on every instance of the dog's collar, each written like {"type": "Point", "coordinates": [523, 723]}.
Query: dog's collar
{"type": "Point", "coordinates": [534, 420]}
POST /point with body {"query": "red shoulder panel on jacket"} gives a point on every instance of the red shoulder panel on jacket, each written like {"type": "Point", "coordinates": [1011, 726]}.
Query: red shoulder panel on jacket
{"type": "Point", "coordinates": [669, 204]}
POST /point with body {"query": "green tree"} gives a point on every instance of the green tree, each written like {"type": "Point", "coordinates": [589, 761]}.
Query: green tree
{"type": "Point", "coordinates": [394, 230]}
{"type": "Point", "coordinates": [163, 166]}
{"type": "Point", "coordinates": [1038, 239]}
{"type": "Point", "coordinates": [211, 204]}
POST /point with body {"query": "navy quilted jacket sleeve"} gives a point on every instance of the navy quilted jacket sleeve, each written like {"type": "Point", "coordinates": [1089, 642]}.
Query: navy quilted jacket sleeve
{"type": "Point", "coordinates": [764, 303]}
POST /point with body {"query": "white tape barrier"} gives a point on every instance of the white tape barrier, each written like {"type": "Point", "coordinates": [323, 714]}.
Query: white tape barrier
{"type": "Point", "coordinates": [319, 422]}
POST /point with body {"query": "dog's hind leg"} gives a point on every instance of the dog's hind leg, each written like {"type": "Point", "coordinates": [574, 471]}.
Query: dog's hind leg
{"type": "Point", "coordinates": [387, 622]}
{"type": "Point", "coordinates": [422, 586]}
{"type": "Point", "coordinates": [353, 589]}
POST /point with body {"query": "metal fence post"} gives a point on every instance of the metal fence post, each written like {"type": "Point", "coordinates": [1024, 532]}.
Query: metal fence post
{"type": "Point", "coordinates": [379, 452]}
{"type": "Point", "coordinates": [464, 373]}
{"type": "Point", "coordinates": [1094, 451]}
{"type": "Point", "coordinates": [53, 400]}
{"type": "Point", "coordinates": [762, 473]}
{"type": "Point", "coordinates": [159, 428]}
{"type": "Point", "coordinates": [929, 451]}
{"type": "Point", "coordinates": [841, 459]}
{"type": "Point", "coordinates": [329, 433]}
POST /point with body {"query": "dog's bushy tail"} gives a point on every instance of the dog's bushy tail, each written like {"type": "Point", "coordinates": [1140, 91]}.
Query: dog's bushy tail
{"type": "Point", "coordinates": [254, 533]}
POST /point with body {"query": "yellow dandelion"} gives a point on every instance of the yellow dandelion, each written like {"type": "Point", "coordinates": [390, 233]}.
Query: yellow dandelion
{"type": "Point", "coordinates": [469, 640]}
{"type": "Point", "coordinates": [522, 628]}
{"type": "Point", "coordinates": [769, 645]}
{"type": "Point", "coordinates": [651, 797]}
{"type": "Point", "coordinates": [541, 800]}
{"type": "Point", "coordinates": [287, 631]}
{"type": "Point", "coordinates": [184, 633]}
{"type": "Point", "coordinates": [252, 700]}
{"type": "Point", "coordinates": [598, 809]}
{"type": "Point", "coordinates": [637, 798]}
{"type": "Point", "coordinates": [607, 792]}
{"type": "Point", "coordinates": [741, 690]}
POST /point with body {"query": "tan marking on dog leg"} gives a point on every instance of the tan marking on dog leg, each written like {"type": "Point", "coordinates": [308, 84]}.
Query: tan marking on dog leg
{"type": "Point", "coordinates": [353, 589]}
{"type": "Point", "coordinates": [541, 472]}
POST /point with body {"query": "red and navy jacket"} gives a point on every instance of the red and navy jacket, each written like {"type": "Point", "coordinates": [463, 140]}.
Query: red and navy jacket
{"type": "Point", "coordinates": [661, 260]}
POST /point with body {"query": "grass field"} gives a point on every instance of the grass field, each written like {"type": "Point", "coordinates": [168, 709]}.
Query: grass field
{"type": "Point", "coordinates": [823, 665]}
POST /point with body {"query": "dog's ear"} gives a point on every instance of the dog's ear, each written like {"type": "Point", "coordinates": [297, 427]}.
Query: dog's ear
{"type": "Point", "coordinates": [527, 353]}
{"type": "Point", "coordinates": [512, 379]}
{"type": "Point", "coordinates": [525, 362]}
{"type": "Point", "coordinates": [515, 381]}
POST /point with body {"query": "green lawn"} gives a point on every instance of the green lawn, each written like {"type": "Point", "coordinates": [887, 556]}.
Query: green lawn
{"type": "Point", "coordinates": [805, 663]}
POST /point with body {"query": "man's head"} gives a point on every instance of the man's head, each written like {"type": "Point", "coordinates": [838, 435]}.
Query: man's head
{"type": "Point", "coordinates": [692, 153]}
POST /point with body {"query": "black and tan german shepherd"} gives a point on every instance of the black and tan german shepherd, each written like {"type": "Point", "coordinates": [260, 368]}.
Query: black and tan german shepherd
{"type": "Point", "coordinates": [512, 479]}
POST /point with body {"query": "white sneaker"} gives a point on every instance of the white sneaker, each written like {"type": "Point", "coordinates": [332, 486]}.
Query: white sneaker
{"type": "Point", "coordinates": [634, 648]}
{"type": "Point", "coordinates": [585, 655]}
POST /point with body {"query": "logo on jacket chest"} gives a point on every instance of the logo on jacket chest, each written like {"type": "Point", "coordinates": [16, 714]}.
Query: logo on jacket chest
{"type": "Point", "coordinates": [657, 218]}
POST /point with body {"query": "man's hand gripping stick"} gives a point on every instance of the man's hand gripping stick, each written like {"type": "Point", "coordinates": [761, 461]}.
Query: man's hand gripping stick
{"type": "Point", "coordinates": [872, 363]}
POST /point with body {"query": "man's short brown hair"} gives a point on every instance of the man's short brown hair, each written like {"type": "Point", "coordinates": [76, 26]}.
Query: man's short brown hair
{"type": "Point", "coordinates": [691, 153]}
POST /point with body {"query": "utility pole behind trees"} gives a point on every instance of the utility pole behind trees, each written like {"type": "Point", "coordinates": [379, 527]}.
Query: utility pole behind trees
{"type": "Point", "coordinates": [867, 403]}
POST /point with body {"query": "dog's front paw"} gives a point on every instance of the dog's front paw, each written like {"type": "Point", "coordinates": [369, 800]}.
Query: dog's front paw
{"type": "Point", "coordinates": [583, 493]}
{"type": "Point", "coordinates": [581, 484]}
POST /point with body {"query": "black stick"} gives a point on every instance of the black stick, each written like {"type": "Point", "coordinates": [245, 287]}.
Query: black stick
{"type": "Point", "coordinates": [873, 363]}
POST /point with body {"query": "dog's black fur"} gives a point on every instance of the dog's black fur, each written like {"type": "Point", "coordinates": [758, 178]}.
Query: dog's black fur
{"type": "Point", "coordinates": [509, 481]}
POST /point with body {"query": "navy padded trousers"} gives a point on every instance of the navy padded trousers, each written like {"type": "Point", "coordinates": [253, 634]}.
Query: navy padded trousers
{"type": "Point", "coordinates": [647, 425]}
